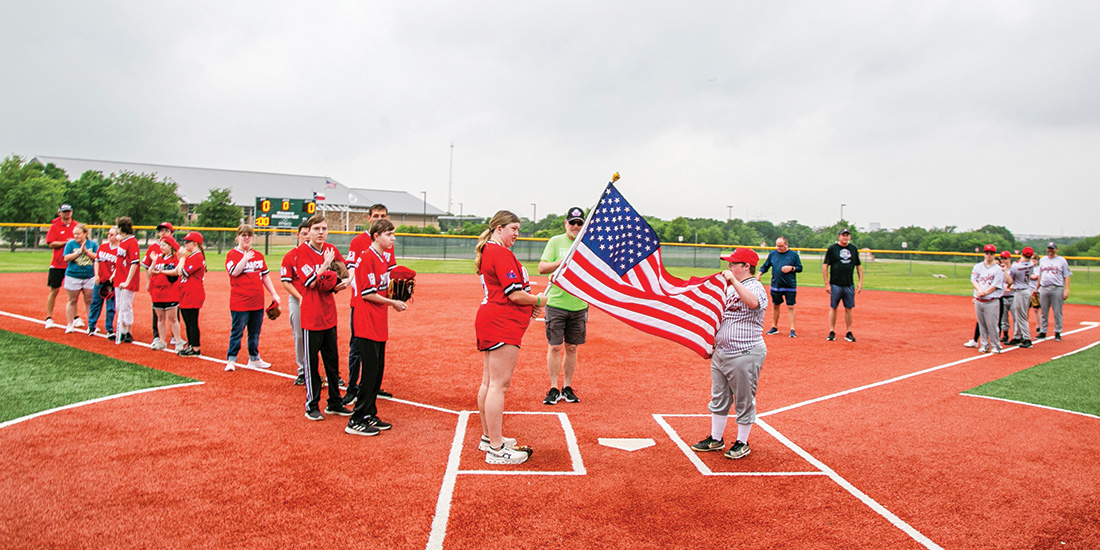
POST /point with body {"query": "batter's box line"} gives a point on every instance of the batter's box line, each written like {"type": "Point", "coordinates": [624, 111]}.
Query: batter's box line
{"type": "Point", "coordinates": [693, 457]}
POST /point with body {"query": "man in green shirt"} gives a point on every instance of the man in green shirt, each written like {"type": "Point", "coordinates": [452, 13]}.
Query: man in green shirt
{"type": "Point", "coordinates": [566, 315]}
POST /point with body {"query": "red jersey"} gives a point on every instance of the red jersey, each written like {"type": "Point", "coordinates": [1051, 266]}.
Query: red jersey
{"type": "Point", "coordinates": [372, 276]}
{"type": "Point", "coordinates": [318, 310]}
{"type": "Point", "coordinates": [287, 271]}
{"type": "Point", "coordinates": [128, 254]}
{"type": "Point", "coordinates": [160, 288]}
{"type": "Point", "coordinates": [499, 319]}
{"type": "Point", "coordinates": [59, 231]}
{"type": "Point", "coordinates": [107, 258]}
{"type": "Point", "coordinates": [359, 246]}
{"type": "Point", "coordinates": [246, 291]}
{"type": "Point", "coordinates": [192, 291]}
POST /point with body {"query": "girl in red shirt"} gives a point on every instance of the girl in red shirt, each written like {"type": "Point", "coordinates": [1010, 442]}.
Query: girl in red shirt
{"type": "Point", "coordinates": [248, 277]}
{"type": "Point", "coordinates": [505, 312]}
{"type": "Point", "coordinates": [164, 291]}
{"type": "Point", "coordinates": [191, 269]}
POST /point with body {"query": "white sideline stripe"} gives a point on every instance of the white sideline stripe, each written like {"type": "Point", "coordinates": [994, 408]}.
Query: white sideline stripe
{"type": "Point", "coordinates": [450, 477]}
{"type": "Point", "coordinates": [705, 470]}
{"type": "Point", "coordinates": [96, 400]}
{"type": "Point", "coordinates": [1089, 326]}
{"type": "Point", "coordinates": [1031, 404]}
{"type": "Point", "coordinates": [222, 362]}
{"type": "Point", "coordinates": [870, 502]}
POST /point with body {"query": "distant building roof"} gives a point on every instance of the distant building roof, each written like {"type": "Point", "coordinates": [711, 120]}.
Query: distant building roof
{"type": "Point", "coordinates": [195, 184]}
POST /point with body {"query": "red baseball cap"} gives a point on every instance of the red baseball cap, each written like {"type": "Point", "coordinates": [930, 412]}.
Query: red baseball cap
{"type": "Point", "coordinates": [1006, 254]}
{"type": "Point", "coordinates": [327, 281]}
{"type": "Point", "coordinates": [167, 226]}
{"type": "Point", "coordinates": [1028, 251]}
{"type": "Point", "coordinates": [989, 248]}
{"type": "Point", "coordinates": [743, 255]}
{"type": "Point", "coordinates": [172, 243]}
{"type": "Point", "coordinates": [194, 237]}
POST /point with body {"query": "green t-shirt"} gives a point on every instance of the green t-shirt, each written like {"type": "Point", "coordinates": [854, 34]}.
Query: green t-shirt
{"type": "Point", "coordinates": [556, 249]}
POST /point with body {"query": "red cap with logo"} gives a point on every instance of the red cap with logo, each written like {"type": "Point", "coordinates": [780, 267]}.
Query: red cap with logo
{"type": "Point", "coordinates": [1028, 251]}
{"type": "Point", "coordinates": [193, 236]}
{"type": "Point", "coordinates": [1006, 254]}
{"type": "Point", "coordinates": [989, 248]}
{"type": "Point", "coordinates": [743, 255]}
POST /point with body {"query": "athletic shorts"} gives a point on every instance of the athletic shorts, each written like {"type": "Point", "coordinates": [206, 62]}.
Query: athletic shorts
{"type": "Point", "coordinates": [56, 277]}
{"type": "Point", "coordinates": [566, 326]}
{"type": "Point", "coordinates": [846, 293]}
{"type": "Point", "coordinates": [779, 295]}
{"type": "Point", "coordinates": [165, 305]}
{"type": "Point", "coordinates": [488, 345]}
{"type": "Point", "coordinates": [72, 283]}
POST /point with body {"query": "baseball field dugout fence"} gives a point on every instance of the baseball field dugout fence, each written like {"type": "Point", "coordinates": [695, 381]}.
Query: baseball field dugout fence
{"type": "Point", "coordinates": [918, 263]}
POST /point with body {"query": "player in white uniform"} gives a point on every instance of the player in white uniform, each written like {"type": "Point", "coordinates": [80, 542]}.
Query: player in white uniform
{"type": "Point", "coordinates": [988, 279]}
{"type": "Point", "coordinates": [1054, 277]}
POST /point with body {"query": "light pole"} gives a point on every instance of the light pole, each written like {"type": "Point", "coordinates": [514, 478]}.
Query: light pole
{"type": "Point", "coordinates": [450, 172]}
{"type": "Point", "coordinates": [460, 215]}
{"type": "Point", "coordinates": [729, 215]}
{"type": "Point", "coordinates": [425, 220]}
{"type": "Point", "coordinates": [842, 205]}
{"type": "Point", "coordinates": [534, 217]}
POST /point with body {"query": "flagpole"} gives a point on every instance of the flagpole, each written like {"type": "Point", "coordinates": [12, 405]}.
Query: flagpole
{"type": "Point", "coordinates": [584, 229]}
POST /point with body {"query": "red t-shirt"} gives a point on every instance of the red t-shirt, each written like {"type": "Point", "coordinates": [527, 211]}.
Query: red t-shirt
{"type": "Point", "coordinates": [128, 254]}
{"type": "Point", "coordinates": [318, 308]}
{"type": "Point", "coordinates": [107, 257]}
{"type": "Point", "coordinates": [59, 232]}
{"type": "Point", "coordinates": [246, 291]}
{"type": "Point", "coordinates": [498, 318]}
{"type": "Point", "coordinates": [160, 288]}
{"type": "Point", "coordinates": [359, 246]}
{"type": "Point", "coordinates": [287, 271]}
{"type": "Point", "coordinates": [192, 291]}
{"type": "Point", "coordinates": [372, 276]}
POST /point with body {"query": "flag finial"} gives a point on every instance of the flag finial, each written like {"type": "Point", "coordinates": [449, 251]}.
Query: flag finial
{"type": "Point", "coordinates": [615, 177]}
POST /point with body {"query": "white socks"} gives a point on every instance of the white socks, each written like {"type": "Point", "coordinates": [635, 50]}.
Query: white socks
{"type": "Point", "coordinates": [718, 426]}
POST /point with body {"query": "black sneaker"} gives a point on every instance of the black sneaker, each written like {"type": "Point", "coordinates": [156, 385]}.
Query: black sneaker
{"type": "Point", "coordinates": [708, 444]}
{"type": "Point", "coordinates": [831, 337]}
{"type": "Point", "coordinates": [850, 337]}
{"type": "Point", "coordinates": [1013, 342]}
{"type": "Point", "coordinates": [1025, 344]}
{"type": "Point", "coordinates": [384, 393]}
{"type": "Point", "coordinates": [127, 338]}
{"type": "Point", "coordinates": [1040, 336]}
{"type": "Point", "coordinates": [188, 352]}
{"type": "Point", "coordinates": [92, 331]}
{"type": "Point", "coordinates": [314, 415]}
{"type": "Point", "coordinates": [378, 423]}
{"type": "Point", "coordinates": [338, 410]}
{"type": "Point", "coordinates": [349, 398]}
{"type": "Point", "coordinates": [356, 427]}
{"type": "Point", "coordinates": [738, 450]}
{"type": "Point", "coordinates": [341, 384]}
{"type": "Point", "coordinates": [300, 381]}
{"type": "Point", "coordinates": [1004, 337]}
{"type": "Point", "coordinates": [110, 336]}
{"type": "Point", "coordinates": [793, 335]}
{"type": "Point", "coordinates": [1057, 336]}
{"type": "Point", "coordinates": [568, 395]}
{"type": "Point", "coordinates": [772, 330]}
{"type": "Point", "coordinates": [552, 397]}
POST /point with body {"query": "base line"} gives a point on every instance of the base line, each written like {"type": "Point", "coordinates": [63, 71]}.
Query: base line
{"type": "Point", "coordinates": [96, 400]}
{"type": "Point", "coordinates": [1029, 404]}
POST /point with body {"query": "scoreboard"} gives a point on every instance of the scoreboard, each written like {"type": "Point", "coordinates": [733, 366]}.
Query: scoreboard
{"type": "Point", "coordinates": [280, 213]}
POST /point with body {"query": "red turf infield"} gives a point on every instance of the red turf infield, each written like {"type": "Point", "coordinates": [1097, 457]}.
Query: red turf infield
{"type": "Point", "coordinates": [232, 463]}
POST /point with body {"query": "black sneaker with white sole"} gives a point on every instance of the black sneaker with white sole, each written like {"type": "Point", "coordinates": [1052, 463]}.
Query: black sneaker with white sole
{"type": "Point", "coordinates": [338, 410]}
{"type": "Point", "coordinates": [831, 337]}
{"type": "Point", "coordinates": [552, 397]}
{"type": "Point", "coordinates": [378, 423]}
{"type": "Point", "coordinates": [850, 337]}
{"type": "Point", "coordinates": [738, 450]}
{"type": "Point", "coordinates": [771, 331]}
{"type": "Point", "coordinates": [384, 393]}
{"type": "Point", "coordinates": [568, 395]}
{"type": "Point", "coordinates": [708, 444]}
{"type": "Point", "coordinates": [314, 415]}
{"type": "Point", "coordinates": [356, 427]}
{"type": "Point", "coordinates": [1057, 336]}
{"type": "Point", "coordinates": [349, 398]}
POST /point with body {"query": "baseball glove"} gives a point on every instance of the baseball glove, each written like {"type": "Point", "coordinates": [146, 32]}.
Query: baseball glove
{"type": "Point", "coordinates": [273, 311]}
{"type": "Point", "coordinates": [1035, 300]}
{"type": "Point", "coordinates": [106, 290]}
{"type": "Point", "coordinates": [402, 283]}
{"type": "Point", "coordinates": [340, 269]}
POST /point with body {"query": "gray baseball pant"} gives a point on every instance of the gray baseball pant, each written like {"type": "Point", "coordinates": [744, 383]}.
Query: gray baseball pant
{"type": "Point", "coordinates": [296, 330]}
{"type": "Point", "coordinates": [733, 378]}
{"type": "Point", "coordinates": [1021, 307]}
{"type": "Point", "coordinates": [1050, 297]}
{"type": "Point", "coordinates": [988, 313]}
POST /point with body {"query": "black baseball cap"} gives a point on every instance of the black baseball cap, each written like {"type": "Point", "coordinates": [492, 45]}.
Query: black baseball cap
{"type": "Point", "coordinates": [65, 208]}
{"type": "Point", "coordinates": [844, 231]}
{"type": "Point", "coordinates": [575, 213]}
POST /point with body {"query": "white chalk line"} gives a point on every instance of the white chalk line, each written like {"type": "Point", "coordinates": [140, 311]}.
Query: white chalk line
{"type": "Point", "coordinates": [1030, 405]}
{"type": "Point", "coordinates": [96, 400]}
{"type": "Point", "coordinates": [1089, 326]}
{"type": "Point", "coordinates": [705, 470]}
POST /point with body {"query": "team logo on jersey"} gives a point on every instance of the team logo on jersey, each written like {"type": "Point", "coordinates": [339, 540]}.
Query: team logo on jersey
{"type": "Point", "coordinates": [845, 255]}
{"type": "Point", "coordinates": [308, 270]}
{"type": "Point", "coordinates": [512, 275]}
{"type": "Point", "coordinates": [370, 278]}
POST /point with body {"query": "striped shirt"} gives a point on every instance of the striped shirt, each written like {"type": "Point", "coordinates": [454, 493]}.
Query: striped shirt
{"type": "Point", "coordinates": [742, 328]}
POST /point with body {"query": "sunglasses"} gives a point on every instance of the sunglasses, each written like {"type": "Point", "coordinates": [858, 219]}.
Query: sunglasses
{"type": "Point", "coordinates": [577, 222]}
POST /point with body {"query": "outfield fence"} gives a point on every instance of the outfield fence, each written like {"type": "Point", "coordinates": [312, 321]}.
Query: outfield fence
{"type": "Point", "coordinates": [921, 263]}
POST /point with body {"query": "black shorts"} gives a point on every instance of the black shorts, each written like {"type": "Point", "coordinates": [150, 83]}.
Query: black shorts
{"type": "Point", "coordinates": [779, 295]}
{"type": "Point", "coordinates": [566, 326]}
{"type": "Point", "coordinates": [56, 277]}
{"type": "Point", "coordinates": [165, 305]}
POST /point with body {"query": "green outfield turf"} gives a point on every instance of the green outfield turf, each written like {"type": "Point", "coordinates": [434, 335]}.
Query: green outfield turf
{"type": "Point", "coordinates": [36, 375]}
{"type": "Point", "coordinates": [1071, 383]}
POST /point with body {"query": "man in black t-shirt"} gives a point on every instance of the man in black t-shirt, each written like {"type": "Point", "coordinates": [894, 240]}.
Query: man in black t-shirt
{"type": "Point", "coordinates": [841, 259]}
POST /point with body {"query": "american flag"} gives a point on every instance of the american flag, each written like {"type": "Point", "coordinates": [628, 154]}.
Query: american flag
{"type": "Point", "coordinates": [615, 265]}
{"type": "Point", "coordinates": [329, 184]}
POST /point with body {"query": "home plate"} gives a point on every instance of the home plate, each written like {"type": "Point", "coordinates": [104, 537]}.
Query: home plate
{"type": "Point", "coordinates": [626, 443]}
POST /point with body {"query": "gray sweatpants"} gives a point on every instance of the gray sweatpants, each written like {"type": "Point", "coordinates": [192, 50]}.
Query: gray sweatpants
{"type": "Point", "coordinates": [1021, 307]}
{"type": "Point", "coordinates": [988, 313]}
{"type": "Point", "coordinates": [1050, 297]}
{"type": "Point", "coordinates": [733, 378]}
{"type": "Point", "coordinates": [296, 330]}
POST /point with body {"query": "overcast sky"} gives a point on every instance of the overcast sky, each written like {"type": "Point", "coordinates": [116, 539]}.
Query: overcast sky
{"type": "Point", "coordinates": [910, 113]}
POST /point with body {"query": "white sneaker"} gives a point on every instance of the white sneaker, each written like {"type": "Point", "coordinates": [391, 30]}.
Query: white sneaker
{"type": "Point", "coordinates": [230, 366]}
{"type": "Point", "coordinates": [158, 345]}
{"type": "Point", "coordinates": [508, 455]}
{"type": "Point", "coordinates": [70, 329]}
{"type": "Point", "coordinates": [971, 344]}
{"type": "Point", "coordinates": [484, 445]}
{"type": "Point", "coordinates": [259, 364]}
{"type": "Point", "coordinates": [50, 323]}
{"type": "Point", "coordinates": [178, 343]}
{"type": "Point", "coordinates": [78, 323]}
{"type": "Point", "coordinates": [995, 350]}
{"type": "Point", "coordinates": [154, 343]}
